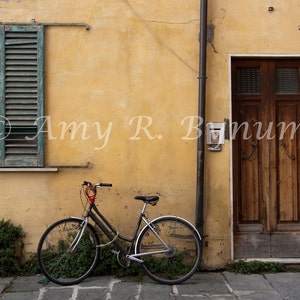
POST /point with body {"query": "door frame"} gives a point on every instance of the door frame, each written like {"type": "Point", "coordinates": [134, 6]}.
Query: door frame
{"type": "Point", "coordinates": [245, 56]}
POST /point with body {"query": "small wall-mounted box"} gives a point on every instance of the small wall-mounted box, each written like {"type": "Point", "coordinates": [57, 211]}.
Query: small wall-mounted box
{"type": "Point", "coordinates": [215, 136]}
{"type": "Point", "coordinates": [215, 133]}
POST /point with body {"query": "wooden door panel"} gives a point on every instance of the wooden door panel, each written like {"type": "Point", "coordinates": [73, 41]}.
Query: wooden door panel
{"type": "Point", "coordinates": [248, 204]}
{"type": "Point", "coordinates": [287, 187]}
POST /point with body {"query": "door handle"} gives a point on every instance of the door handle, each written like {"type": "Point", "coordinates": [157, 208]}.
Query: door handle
{"type": "Point", "coordinates": [291, 156]}
{"type": "Point", "coordinates": [245, 157]}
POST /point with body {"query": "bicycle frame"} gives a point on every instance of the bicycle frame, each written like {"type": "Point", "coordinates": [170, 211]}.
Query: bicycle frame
{"type": "Point", "coordinates": [113, 235]}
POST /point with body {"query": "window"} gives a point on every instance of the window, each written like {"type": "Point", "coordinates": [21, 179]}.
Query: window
{"type": "Point", "coordinates": [248, 80]}
{"type": "Point", "coordinates": [287, 81]}
{"type": "Point", "coordinates": [21, 95]}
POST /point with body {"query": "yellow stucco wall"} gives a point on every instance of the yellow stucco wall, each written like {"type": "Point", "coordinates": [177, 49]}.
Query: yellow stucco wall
{"type": "Point", "coordinates": [138, 63]}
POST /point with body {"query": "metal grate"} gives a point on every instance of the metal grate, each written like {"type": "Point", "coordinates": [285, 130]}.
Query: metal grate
{"type": "Point", "coordinates": [287, 81]}
{"type": "Point", "coordinates": [248, 81]}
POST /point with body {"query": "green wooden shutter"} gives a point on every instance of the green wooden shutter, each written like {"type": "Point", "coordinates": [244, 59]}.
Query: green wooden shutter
{"type": "Point", "coordinates": [22, 96]}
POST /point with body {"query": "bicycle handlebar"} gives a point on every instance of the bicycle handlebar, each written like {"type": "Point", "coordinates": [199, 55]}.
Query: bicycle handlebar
{"type": "Point", "coordinates": [91, 190]}
{"type": "Point", "coordinates": [97, 185]}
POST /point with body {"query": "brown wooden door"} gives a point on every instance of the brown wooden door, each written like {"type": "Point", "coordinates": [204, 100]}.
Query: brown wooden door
{"type": "Point", "coordinates": [266, 157]}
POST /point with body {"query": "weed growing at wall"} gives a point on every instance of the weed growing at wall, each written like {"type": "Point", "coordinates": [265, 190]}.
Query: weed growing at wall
{"type": "Point", "coordinates": [11, 248]}
{"type": "Point", "coordinates": [255, 267]}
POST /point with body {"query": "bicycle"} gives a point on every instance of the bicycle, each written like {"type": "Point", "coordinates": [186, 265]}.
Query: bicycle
{"type": "Point", "coordinates": [168, 247]}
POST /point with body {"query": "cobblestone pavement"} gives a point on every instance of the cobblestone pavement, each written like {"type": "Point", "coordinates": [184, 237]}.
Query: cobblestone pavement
{"type": "Point", "coordinates": [206, 285]}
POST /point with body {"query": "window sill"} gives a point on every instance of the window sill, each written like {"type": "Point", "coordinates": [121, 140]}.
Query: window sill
{"type": "Point", "coordinates": [50, 169]}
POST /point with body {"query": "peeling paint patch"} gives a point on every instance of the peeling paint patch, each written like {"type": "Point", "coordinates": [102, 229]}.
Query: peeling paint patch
{"type": "Point", "coordinates": [211, 36]}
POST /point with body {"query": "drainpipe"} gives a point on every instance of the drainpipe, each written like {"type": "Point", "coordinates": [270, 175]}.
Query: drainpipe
{"type": "Point", "coordinates": [201, 115]}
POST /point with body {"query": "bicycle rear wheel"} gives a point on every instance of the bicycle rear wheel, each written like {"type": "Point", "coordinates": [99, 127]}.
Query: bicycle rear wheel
{"type": "Point", "coordinates": [176, 258]}
{"type": "Point", "coordinates": [63, 256]}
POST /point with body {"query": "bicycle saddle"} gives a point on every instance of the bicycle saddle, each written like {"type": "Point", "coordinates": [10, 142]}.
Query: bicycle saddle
{"type": "Point", "coordinates": [148, 199]}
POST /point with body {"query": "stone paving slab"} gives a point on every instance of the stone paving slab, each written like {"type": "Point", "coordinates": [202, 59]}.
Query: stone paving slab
{"type": "Point", "coordinates": [27, 283]}
{"type": "Point", "coordinates": [132, 289]}
{"type": "Point", "coordinates": [205, 285]}
{"type": "Point", "coordinates": [155, 291]}
{"type": "Point", "coordinates": [23, 296]}
{"type": "Point", "coordinates": [4, 282]}
{"type": "Point", "coordinates": [251, 286]}
{"type": "Point", "coordinates": [285, 284]}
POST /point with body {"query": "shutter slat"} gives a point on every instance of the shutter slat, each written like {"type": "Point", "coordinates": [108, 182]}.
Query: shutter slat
{"type": "Point", "coordinates": [24, 112]}
{"type": "Point", "coordinates": [22, 50]}
{"type": "Point", "coordinates": [20, 79]}
{"type": "Point", "coordinates": [20, 90]}
{"type": "Point", "coordinates": [20, 42]}
{"type": "Point", "coordinates": [21, 84]}
{"type": "Point", "coordinates": [21, 33]}
{"type": "Point", "coordinates": [23, 96]}
{"type": "Point", "coordinates": [20, 63]}
{"type": "Point", "coordinates": [20, 101]}
{"type": "Point", "coordinates": [24, 74]}
{"type": "Point", "coordinates": [20, 46]}
{"type": "Point", "coordinates": [21, 55]}
{"type": "Point", "coordinates": [14, 67]}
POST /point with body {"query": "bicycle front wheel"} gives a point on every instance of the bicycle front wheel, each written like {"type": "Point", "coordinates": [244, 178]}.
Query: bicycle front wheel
{"type": "Point", "coordinates": [67, 251]}
{"type": "Point", "coordinates": [170, 248]}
